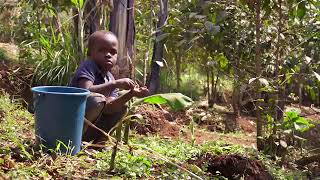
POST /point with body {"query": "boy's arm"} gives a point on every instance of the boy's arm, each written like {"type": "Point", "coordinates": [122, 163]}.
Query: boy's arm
{"type": "Point", "coordinates": [101, 88]}
{"type": "Point", "coordinates": [124, 83]}
{"type": "Point", "coordinates": [116, 104]}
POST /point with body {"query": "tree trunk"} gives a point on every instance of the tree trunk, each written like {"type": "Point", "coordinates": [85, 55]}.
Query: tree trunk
{"type": "Point", "coordinates": [300, 86]}
{"type": "Point", "coordinates": [131, 30]}
{"type": "Point", "coordinates": [157, 56]}
{"type": "Point", "coordinates": [91, 16]}
{"type": "Point", "coordinates": [119, 25]}
{"type": "Point", "coordinates": [281, 91]}
{"type": "Point", "coordinates": [214, 98]}
{"type": "Point", "coordinates": [208, 84]}
{"type": "Point", "coordinates": [178, 70]}
{"type": "Point", "coordinates": [146, 60]}
{"type": "Point", "coordinates": [260, 143]}
{"type": "Point", "coordinates": [211, 101]}
{"type": "Point", "coordinates": [236, 90]}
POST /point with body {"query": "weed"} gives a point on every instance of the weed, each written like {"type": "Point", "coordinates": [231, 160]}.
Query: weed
{"type": "Point", "coordinates": [3, 55]}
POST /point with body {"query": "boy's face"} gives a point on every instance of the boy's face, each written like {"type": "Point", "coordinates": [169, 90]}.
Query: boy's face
{"type": "Point", "coordinates": [105, 51]}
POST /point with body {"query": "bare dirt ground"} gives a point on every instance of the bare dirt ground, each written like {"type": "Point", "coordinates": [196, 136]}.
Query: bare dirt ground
{"type": "Point", "coordinates": [176, 125]}
{"type": "Point", "coordinates": [232, 166]}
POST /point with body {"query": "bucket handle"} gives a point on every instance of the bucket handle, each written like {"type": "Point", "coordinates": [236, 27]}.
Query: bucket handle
{"type": "Point", "coordinates": [36, 100]}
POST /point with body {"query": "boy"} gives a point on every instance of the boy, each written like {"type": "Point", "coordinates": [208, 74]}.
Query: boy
{"type": "Point", "coordinates": [104, 107]}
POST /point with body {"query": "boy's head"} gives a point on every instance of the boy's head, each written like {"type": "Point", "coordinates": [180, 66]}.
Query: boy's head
{"type": "Point", "coordinates": [103, 49]}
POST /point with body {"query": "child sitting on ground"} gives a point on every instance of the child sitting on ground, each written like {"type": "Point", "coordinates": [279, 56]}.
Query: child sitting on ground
{"type": "Point", "coordinates": [104, 107]}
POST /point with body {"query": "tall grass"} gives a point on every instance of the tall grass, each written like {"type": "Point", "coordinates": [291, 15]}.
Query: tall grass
{"type": "Point", "coordinates": [57, 60]}
{"type": "Point", "coordinates": [50, 46]}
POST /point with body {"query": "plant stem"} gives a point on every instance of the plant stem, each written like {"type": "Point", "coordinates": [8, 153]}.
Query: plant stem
{"type": "Point", "coordinates": [126, 132]}
{"type": "Point", "coordinates": [192, 132]}
{"type": "Point", "coordinates": [115, 147]}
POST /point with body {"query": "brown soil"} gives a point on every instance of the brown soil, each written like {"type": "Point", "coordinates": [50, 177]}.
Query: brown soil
{"type": "Point", "coordinates": [2, 113]}
{"type": "Point", "coordinates": [158, 122]}
{"type": "Point", "coordinates": [15, 80]}
{"type": "Point", "coordinates": [247, 124]}
{"type": "Point", "coordinates": [312, 136]}
{"type": "Point", "coordinates": [233, 166]}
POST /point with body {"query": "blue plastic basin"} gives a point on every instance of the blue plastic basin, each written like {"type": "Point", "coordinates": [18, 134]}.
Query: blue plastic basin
{"type": "Point", "coordinates": [59, 116]}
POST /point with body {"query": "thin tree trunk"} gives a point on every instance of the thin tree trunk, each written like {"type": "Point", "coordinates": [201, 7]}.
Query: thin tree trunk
{"type": "Point", "coordinates": [300, 87]}
{"type": "Point", "coordinates": [208, 84]}
{"type": "Point", "coordinates": [154, 82]}
{"type": "Point", "coordinates": [211, 101]}
{"type": "Point", "coordinates": [281, 91]}
{"type": "Point", "coordinates": [212, 85]}
{"type": "Point", "coordinates": [131, 30]}
{"type": "Point", "coordinates": [146, 60]}
{"type": "Point", "coordinates": [236, 90]}
{"type": "Point", "coordinates": [215, 89]}
{"type": "Point", "coordinates": [178, 70]}
{"type": "Point", "coordinates": [260, 143]}
{"type": "Point", "coordinates": [91, 15]}
{"type": "Point", "coordinates": [118, 25]}
{"type": "Point", "coordinates": [39, 27]}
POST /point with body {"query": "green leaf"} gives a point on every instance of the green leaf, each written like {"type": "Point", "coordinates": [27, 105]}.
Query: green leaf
{"type": "Point", "coordinates": [78, 3]}
{"type": "Point", "coordinates": [299, 127]}
{"type": "Point", "coordinates": [291, 115]}
{"type": "Point", "coordinates": [176, 101]}
{"type": "Point", "coordinates": [81, 2]}
{"type": "Point", "coordinates": [266, 6]}
{"type": "Point", "coordinates": [223, 61]}
{"type": "Point", "coordinates": [302, 121]}
{"type": "Point", "coordinates": [301, 9]}
{"type": "Point", "coordinates": [75, 2]}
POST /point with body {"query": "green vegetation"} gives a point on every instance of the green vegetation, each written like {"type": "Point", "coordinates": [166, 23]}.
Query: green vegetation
{"type": "Point", "coordinates": [146, 157]}
{"type": "Point", "coordinates": [242, 62]}
{"type": "Point", "coordinates": [3, 54]}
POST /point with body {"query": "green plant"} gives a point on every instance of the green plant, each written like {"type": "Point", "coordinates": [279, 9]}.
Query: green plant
{"type": "Point", "coordinates": [286, 135]}
{"type": "Point", "coordinates": [3, 55]}
{"type": "Point", "coordinates": [57, 60]}
{"type": "Point", "coordinates": [176, 101]}
{"type": "Point", "coordinates": [50, 42]}
{"type": "Point", "coordinates": [293, 122]}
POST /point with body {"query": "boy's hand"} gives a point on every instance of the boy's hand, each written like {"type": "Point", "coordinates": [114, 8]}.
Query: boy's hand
{"type": "Point", "coordinates": [124, 83]}
{"type": "Point", "coordinates": [140, 92]}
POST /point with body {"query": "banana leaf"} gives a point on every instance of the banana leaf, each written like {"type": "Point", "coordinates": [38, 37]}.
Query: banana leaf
{"type": "Point", "coordinates": [176, 101]}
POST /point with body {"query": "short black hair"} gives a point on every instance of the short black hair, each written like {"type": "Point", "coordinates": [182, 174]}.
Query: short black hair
{"type": "Point", "coordinates": [93, 37]}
